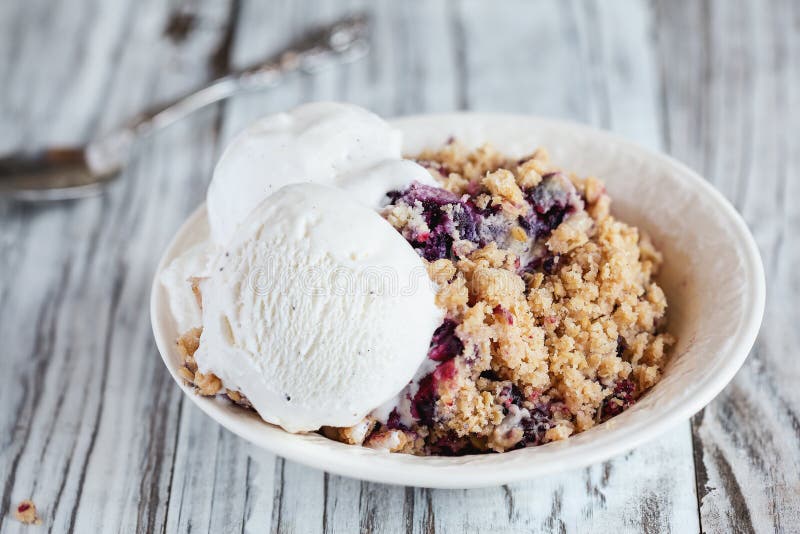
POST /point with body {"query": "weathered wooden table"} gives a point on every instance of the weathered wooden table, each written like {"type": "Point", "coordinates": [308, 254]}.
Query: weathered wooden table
{"type": "Point", "coordinates": [92, 427]}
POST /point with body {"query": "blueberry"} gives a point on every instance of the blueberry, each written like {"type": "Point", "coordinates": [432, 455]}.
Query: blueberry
{"type": "Point", "coordinates": [445, 344]}
{"type": "Point", "coordinates": [435, 246]}
{"type": "Point", "coordinates": [466, 222]}
{"type": "Point", "coordinates": [550, 193]}
{"type": "Point", "coordinates": [446, 215]}
{"type": "Point", "coordinates": [516, 396]}
{"type": "Point", "coordinates": [552, 200]}
{"type": "Point", "coordinates": [394, 421]}
{"type": "Point", "coordinates": [621, 399]}
{"type": "Point", "coordinates": [510, 395]}
{"type": "Point", "coordinates": [423, 405]}
{"type": "Point", "coordinates": [535, 426]}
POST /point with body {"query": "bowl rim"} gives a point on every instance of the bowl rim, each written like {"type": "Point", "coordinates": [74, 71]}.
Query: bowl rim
{"type": "Point", "coordinates": [437, 472]}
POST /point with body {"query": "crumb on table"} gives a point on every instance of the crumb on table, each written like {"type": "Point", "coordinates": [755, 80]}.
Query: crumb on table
{"type": "Point", "coordinates": [25, 512]}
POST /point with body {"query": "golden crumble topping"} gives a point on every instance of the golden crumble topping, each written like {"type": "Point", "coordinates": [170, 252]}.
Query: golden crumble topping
{"type": "Point", "coordinates": [204, 384]}
{"type": "Point", "coordinates": [556, 321]}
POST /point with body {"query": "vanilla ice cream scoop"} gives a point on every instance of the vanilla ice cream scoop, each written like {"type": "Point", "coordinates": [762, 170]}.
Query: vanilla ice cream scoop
{"type": "Point", "coordinates": [323, 142]}
{"type": "Point", "coordinates": [317, 310]}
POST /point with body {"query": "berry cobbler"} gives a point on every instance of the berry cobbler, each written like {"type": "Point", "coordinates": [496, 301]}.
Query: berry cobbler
{"type": "Point", "coordinates": [553, 320]}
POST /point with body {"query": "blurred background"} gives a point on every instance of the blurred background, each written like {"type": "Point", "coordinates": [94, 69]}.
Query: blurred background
{"type": "Point", "coordinates": [93, 428]}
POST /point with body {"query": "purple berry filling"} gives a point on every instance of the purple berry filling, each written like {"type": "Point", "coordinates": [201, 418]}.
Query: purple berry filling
{"type": "Point", "coordinates": [452, 445]}
{"type": "Point", "coordinates": [448, 217]}
{"type": "Point", "coordinates": [423, 405]}
{"type": "Point", "coordinates": [552, 192]}
{"type": "Point", "coordinates": [550, 264]}
{"type": "Point", "coordinates": [445, 345]}
{"type": "Point", "coordinates": [394, 421]}
{"type": "Point", "coordinates": [619, 400]}
{"type": "Point", "coordinates": [510, 395]}
{"type": "Point", "coordinates": [535, 427]}
{"type": "Point", "coordinates": [552, 200]}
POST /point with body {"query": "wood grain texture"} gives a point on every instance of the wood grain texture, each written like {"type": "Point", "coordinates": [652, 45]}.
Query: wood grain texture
{"type": "Point", "coordinates": [732, 111]}
{"type": "Point", "coordinates": [94, 429]}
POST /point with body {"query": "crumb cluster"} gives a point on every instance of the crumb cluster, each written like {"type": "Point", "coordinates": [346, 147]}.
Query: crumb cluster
{"type": "Point", "coordinates": [25, 512]}
{"type": "Point", "coordinates": [207, 385]}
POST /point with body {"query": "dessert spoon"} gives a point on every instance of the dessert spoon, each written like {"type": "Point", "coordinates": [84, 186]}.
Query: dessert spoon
{"type": "Point", "coordinates": [70, 172]}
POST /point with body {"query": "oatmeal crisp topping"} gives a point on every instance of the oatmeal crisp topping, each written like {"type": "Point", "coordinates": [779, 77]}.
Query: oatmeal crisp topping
{"type": "Point", "coordinates": [554, 322]}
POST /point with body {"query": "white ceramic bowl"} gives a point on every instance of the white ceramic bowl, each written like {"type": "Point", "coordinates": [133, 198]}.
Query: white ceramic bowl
{"type": "Point", "coordinates": [712, 275]}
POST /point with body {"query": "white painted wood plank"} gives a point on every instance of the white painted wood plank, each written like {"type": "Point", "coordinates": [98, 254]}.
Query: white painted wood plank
{"type": "Point", "coordinates": [123, 450]}
{"type": "Point", "coordinates": [219, 482]}
{"type": "Point", "coordinates": [733, 113]}
{"type": "Point", "coordinates": [92, 429]}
